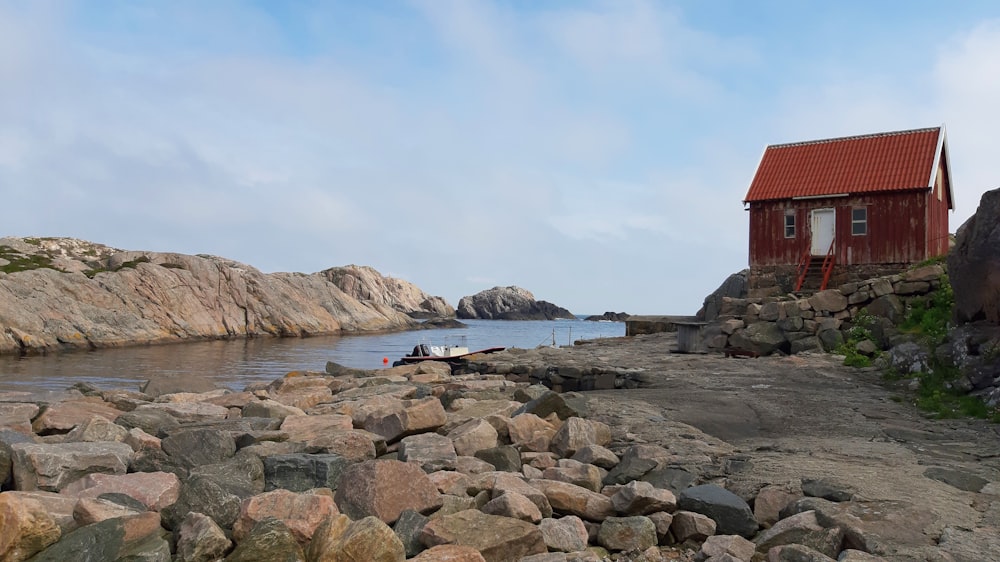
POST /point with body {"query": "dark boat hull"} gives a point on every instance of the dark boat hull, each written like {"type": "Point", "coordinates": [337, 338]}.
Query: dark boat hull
{"type": "Point", "coordinates": [418, 359]}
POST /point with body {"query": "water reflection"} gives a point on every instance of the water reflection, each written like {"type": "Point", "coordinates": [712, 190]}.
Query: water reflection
{"type": "Point", "coordinates": [232, 364]}
{"type": "Point", "coordinates": [237, 363]}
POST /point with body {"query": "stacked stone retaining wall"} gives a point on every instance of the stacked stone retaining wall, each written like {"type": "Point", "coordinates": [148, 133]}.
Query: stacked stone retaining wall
{"type": "Point", "coordinates": [818, 322]}
{"type": "Point", "coordinates": [775, 280]}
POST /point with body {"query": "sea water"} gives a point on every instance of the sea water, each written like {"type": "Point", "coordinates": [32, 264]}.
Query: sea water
{"type": "Point", "coordinates": [236, 363]}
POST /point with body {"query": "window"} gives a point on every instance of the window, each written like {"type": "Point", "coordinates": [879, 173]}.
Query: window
{"type": "Point", "coordinates": [790, 223]}
{"type": "Point", "coordinates": [859, 221]}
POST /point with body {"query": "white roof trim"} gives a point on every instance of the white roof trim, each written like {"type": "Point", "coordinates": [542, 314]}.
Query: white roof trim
{"type": "Point", "coordinates": [942, 152]}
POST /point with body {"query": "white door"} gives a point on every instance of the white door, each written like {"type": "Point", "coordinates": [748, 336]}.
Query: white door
{"type": "Point", "coordinates": [823, 229]}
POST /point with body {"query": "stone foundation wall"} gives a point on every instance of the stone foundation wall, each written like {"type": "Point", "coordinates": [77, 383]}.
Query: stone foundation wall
{"type": "Point", "coordinates": [818, 322]}
{"type": "Point", "coordinates": [773, 280]}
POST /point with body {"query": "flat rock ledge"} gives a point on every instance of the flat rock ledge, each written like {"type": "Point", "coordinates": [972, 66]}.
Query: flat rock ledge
{"type": "Point", "coordinates": [407, 463]}
{"type": "Point", "coordinates": [562, 369]}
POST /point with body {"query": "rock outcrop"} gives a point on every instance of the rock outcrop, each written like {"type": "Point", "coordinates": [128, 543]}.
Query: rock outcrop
{"type": "Point", "coordinates": [60, 293]}
{"type": "Point", "coordinates": [368, 285]}
{"type": "Point", "coordinates": [974, 264]}
{"type": "Point", "coordinates": [609, 316]}
{"type": "Point", "coordinates": [509, 303]}
{"type": "Point", "coordinates": [974, 268]}
{"type": "Point", "coordinates": [734, 287]}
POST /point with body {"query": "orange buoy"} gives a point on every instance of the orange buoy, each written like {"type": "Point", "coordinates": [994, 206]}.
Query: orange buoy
{"type": "Point", "coordinates": [385, 360]}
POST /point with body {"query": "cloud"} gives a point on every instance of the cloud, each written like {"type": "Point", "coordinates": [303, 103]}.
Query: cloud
{"type": "Point", "coordinates": [212, 139]}
{"type": "Point", "coordinates": [641, 44]}
{"type": "Point", "coordinates": [594, 153]}
{"type": "Point", "coordinates": [967, 79]}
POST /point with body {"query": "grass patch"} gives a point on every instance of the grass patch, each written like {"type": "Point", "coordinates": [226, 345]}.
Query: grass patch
{"type": "Point", "coordinates": [936, 260]}
{"type": "Point", "coordinates": [131, 264]}
{"type": "Point", "coordinates": [854, 359]}
{"type": "Point", "coordinates": [929, 320]}
{"type": "Point", "coordinates": [860, 331]}
{"type": "Point", "coordinates": [929, 317]}
{"type": "Point", "coordinates": [937, 395]}
{"type": "Point", "coordinates": [20, 262]}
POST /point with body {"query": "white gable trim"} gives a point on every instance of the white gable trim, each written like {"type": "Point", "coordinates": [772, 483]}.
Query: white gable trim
{"type": "Point", "coordinates": [942, 152]}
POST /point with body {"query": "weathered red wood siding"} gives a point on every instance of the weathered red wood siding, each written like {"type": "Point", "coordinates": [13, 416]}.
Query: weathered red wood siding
{"type": "Point", "coordinates": [903, 227]}
{"type": "Point", "coordinates": [937, 213]}
{"type": "Point", "coordinates": [896, 229]}
{"type": "Point", "coordinates": [768, 245]}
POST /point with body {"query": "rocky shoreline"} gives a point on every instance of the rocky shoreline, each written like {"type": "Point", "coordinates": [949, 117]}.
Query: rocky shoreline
{"type": "Point", "coordinates": [417, 463]}
{"type": "Point", "coordinates": [63, 294]}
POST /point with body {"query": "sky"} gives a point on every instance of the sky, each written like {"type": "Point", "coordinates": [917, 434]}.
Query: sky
{"type": "Point", "coordinates": [595, 153]}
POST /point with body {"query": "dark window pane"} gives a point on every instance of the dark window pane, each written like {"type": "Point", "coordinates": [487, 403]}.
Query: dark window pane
{"type": "Point", "coordinates": [859, 221]}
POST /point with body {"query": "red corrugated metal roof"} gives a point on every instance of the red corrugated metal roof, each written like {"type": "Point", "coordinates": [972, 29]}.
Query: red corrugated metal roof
{"type": "Point", "coordinates": [881, 162]}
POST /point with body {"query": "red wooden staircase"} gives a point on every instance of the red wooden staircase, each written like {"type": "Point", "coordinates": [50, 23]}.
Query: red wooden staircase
{"type": "Point", "coordinates": [815, 268]}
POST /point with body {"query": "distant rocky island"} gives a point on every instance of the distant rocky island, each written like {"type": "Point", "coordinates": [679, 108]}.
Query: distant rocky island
{"type": "Point", "coordinates": [63, 293]}
{"type": "Point", "coordinates": [509, 303]}
{"type": "Point", "coordinates": [609, 317]}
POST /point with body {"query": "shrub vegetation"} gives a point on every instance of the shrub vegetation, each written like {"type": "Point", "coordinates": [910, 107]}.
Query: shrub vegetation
{"type": "Point", "coordinates": [861, 330]}
{"type": "Point", "coordinates": [20, 262]}
{"type": "Point", "coordinates": [928, 320]}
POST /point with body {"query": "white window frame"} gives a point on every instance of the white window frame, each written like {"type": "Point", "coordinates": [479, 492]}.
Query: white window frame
{"type": "Point", "coordinates": [789, 214]}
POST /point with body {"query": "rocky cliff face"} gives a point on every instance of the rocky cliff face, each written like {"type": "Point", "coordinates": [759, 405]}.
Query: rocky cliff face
{"type": "Point", "coordinates": [58, 293]}
{"type": "Point", "coordinates": [367, 285]}
{"type": "Point", "coordinates": [974, 269]}
{"type": "Point", "coordinates": [974, 264]}
{"type": "Point", "coordinates": [509, 303]}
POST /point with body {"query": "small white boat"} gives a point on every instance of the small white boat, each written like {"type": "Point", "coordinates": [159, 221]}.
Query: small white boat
{"type": "Point", "coordinates": [424, 352]}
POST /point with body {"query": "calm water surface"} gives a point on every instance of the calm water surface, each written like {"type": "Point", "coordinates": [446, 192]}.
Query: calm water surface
{"type": "Point", "coordinates": [234, 364]}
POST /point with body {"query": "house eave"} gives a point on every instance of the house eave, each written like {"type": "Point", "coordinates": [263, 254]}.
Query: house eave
{"type": "Point", "coordinates": [831, 196]}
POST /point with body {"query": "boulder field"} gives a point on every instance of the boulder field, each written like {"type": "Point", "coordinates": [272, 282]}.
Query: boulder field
{"type": "Point", "coordinates": [407, 463]}
{"type": "Point", "coordinates": [62, 293]}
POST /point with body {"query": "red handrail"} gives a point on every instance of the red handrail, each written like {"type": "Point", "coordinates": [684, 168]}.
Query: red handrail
{"type": "Point", "coordinates": [828, 263]}
{"type": "Point", "coordinates": [802, 269]}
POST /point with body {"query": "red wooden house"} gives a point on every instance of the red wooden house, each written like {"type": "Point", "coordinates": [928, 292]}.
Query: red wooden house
{"type": "Point", "coordinates": [830, 211]}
